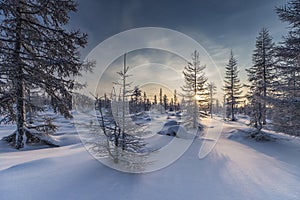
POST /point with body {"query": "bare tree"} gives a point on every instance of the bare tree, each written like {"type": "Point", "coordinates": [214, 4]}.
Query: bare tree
{"type": "Point", "coordinates": [122, 142]}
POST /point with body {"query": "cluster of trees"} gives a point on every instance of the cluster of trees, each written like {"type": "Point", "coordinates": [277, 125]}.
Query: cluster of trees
{"type": "Point", "coordinates": [275, 76]}
{"type": "Point", "coordinates": [139, 101]}
{"type": "Point", "coordinates": [274, 79]}
{"type": "Point", "coordinates": [39, 56]}
{"type": "Point", "coordinates": [198, 94]}
{"type": "Point", "coordinates": [171, 104]}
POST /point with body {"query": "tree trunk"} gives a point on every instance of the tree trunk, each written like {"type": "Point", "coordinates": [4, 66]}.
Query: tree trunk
{"type": "Point", "coordinates": [123, 104]}
{"type": "Point", "coordinates": [264, 113]}
{"type": "Point", "coordinates": [211, 102]}
{"type": "Point", "coordinates": [21, 113]}
{"type": "Point", "coordinates": [232, 111]}
{"type": "Point", "coordinates": [232, 98]}
{"type": "Point", "coordinates": [19, 87]}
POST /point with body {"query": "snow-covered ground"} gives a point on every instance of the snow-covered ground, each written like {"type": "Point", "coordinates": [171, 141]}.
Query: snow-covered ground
{"type": "Point", "coordinates": [236, 168]}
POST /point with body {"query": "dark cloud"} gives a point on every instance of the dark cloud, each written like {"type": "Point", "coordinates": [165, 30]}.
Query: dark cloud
{"type": "Point", "coordinates": [219, 25]}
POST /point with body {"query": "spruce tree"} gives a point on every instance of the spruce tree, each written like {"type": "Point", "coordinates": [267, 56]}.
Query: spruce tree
{"type": "Point", "coordinates": [165, 101]}
{"type": "Point", "coordinates": [155, 100]}
{"type": "Point", "coordinates": [160, 100]}
{"type": "Point", "coordinates": [160, 97]}
{"type": "Point", "coordinates": [144, 103]}
{"type": "Point", "coordinates": [136, 96]}
{"type": "Point", "coordinates": [212, 91]}
{"type": "Point", "coordinates": [194, 87]}
{"type": "Point", "coordinates": [288, 54]}
{"type": "Point", "coordinates": [232, 86]}
{"type": "Point", "coordinates": [175, 100]}
{"type": "Point", "coordinates": [262, 78]}
{"type": "Point", "coordinates": [36, 52]}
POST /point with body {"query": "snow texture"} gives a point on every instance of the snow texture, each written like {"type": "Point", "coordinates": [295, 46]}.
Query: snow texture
{"type": "Point", "coordinates": [236, 168]}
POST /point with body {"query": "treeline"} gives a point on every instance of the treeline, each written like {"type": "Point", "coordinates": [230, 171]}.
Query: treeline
{"type": "Point", "coordinates": [139, 101]}
{"type": "Point", "coordinates": [274, 79]}
{"type": "Point", "coordinates": [274, 89]}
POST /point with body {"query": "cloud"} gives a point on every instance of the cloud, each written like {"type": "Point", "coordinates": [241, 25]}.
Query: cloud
{"type": "Point", "coordinates": [218, 26]}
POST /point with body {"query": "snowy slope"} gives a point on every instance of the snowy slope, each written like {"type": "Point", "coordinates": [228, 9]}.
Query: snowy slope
{"type": "Point", "coordinates": [237, 168]}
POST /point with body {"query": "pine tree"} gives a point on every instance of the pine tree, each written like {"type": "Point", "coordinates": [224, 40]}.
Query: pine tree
{"type": "Point", "coordinates": [155, 100]}
{"type": "Point", "coordinates": [137, 93]}
{"type": "Point", "coordinates": [171, 106]}
{"type": "Point", "coordinates": [36, 51]}
{"type": "Point", "coordinates": [136, 96]}
{"type": "Point", "coordinates": [232, 86]}
{"type": "Point", "coordinates": [160, 97]}
{"type": "Point", "coordinates": [144, 97]}
{"type": "Point", "coordinates": [145, 101]}
{"type": "Point", "coordinates": [165, 101]}
{"type": "Point", "coordinates": [261, 77]}
{"type": "Point", "coordinates": [217, 106]}
{"type": "Point", "coordinates": [288, 54]}
{"type": "Point", "coordinates": [194, 87]}
{"type": "Point", "coordinates": [175, 100]}
{"type": "Point", "coordinates": [160, 100]}
{"type": "Point", "coordinates": [212, 91]}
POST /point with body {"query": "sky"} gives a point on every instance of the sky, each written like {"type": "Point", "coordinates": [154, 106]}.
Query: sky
{"type": "Point", "coordinates": [219, 26]}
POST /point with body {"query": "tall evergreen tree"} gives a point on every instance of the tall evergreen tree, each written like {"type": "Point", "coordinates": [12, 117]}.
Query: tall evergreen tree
{"type": "Point", "coordinates": [288, 53]}
{"type": "Point", "coordinates": [232, 86]}
{"type": "Point", "coordinates": [155, 100]}
{"type": "Point", "coordinates": [289, 49]}
{"type": "Point", "coordinates": [160, 97]}
{"type": "Point", "coordinates": [145, 101]}
{"type": "Point", "coordinates": [171, 105]}
{"type": "Point", "coordinates": [37, 51]}
{"type": "Point", "coordinates": [175, 100]}
{"type": "Point", "coordinates": [212, 91]}
{"type": "Point", "coordinates": [161, 100]}
{"type": "Point", "coordinates": [144, 97]}
{"type": "Point", "coordinates": [136, 96]}
{"type": "Point", "coordinates": [165, 101]}
{"type": "Point", "coordinates": [261, 77]}
{"type": "Point", "coordinates": [195, 80]}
